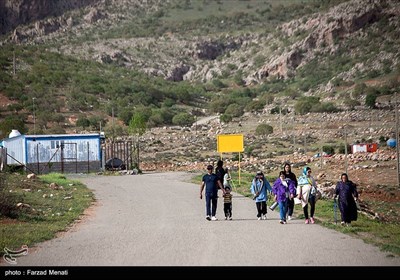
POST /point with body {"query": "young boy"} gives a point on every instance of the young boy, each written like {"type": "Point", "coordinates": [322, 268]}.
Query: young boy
{"type": "Point", "coordinates": [228, 203]}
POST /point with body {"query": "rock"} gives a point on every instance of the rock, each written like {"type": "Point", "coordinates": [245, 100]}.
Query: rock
{"type": "Point", "coordinates": [54, 186]}
{"type": "Point", "coordinates": [31, 176]}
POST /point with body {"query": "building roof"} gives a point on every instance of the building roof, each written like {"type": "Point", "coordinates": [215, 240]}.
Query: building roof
{"type": "Point", "coordinates": [55, 136]}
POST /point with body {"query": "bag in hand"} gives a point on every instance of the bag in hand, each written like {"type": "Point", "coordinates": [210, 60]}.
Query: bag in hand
{"type": "Point", "coordinates": [256, 195]}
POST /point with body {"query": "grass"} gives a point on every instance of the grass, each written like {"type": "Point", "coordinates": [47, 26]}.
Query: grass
{"type": "Point", "coordinates": [384, 235]}
{"type": "Point", "coordinates": [49, 211]}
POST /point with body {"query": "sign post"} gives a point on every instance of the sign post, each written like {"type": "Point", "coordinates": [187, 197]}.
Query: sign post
{"type": "Point", "coordinates": [230, 143]}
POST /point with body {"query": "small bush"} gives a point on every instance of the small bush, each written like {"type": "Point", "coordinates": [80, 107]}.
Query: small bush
{"type": "Point", "coordinates": [264, 129]}
{"type": "Point", "coordinates": [330, 150]}
{"type": "Point", "coordinates": [341, 149]}
{"type": "Point", "coordinates": [225, 118]}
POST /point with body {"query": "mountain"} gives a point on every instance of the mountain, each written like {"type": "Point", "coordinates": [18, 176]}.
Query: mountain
{"type": "Point", "coordinates": [87, 61]}
{"type": "Point", "coordinates": [14, 13]}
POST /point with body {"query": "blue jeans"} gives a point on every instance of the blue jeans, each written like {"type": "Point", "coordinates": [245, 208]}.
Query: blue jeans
{"type": "Point", "coordinates": [282, 209]}
{"type": "Point", "coordinates": [211, 204]}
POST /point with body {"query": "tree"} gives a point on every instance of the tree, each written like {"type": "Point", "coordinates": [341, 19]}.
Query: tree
{"type": "Point", "coordinates": [83, 122]}
{"type": "Point", "coordinates": [305, 104]}
{"type": "Point", "coordinates": [234, 110]}
{"type": "Point", "coordinates": [137, 127]}
{"type": "Point", "coordinates": [371, 98]}
{"type": "Point", "coordinates": [183, 119]}
{"type": "Point", "coordinates": [225, 118]}
{"type": "Point", "coordinates": [264, 129]}
{"type": "Point", "coordinates": [10, 123]}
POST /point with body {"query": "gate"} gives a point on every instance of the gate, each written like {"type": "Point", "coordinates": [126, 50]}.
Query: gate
{"type": "Point", "coordinates": [120, 149]}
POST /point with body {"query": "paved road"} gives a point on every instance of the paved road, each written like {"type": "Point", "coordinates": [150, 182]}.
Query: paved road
{"type": "Point", "coordinates": [159, 220]}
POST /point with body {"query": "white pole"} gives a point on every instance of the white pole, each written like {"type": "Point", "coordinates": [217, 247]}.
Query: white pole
{"type": "Point", "coordinates": [34, 115]}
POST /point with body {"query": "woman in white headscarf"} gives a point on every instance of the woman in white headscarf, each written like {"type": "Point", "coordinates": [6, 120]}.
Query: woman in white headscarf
{"type": "Point", "coordinates": [307, 194]}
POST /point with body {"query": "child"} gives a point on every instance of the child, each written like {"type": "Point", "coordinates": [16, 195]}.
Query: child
{"type": "Point", "coordinates": [227, 179]}
{"type": "Point", "coordinates": [259, 187]}
{"type": "Point", "coordinates": [228, 203]}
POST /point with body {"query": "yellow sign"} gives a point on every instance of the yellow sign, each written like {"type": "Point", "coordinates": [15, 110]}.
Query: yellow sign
{"type": "Point", "coordinates": [230, 143]}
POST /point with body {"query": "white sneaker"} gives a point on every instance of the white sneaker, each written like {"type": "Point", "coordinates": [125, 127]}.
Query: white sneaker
{"type": "Point", "coordinates": [208, 218]}
{"type": "Point", "coordinates": [264, 217]}
{"type": "Point", "coordinates": [213, 218]}
{"type": "Point", "coordinates": [289, 218]}
{"type": "Point", "coordinates": [259, 218]}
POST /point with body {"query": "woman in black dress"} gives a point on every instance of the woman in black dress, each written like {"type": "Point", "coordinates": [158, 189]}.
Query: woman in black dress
{"type": "Point", "coordinates": [348, 196]}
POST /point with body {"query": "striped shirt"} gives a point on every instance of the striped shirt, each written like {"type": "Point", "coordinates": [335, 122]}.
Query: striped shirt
{"type": "Point", "coordinates": [227, 198]}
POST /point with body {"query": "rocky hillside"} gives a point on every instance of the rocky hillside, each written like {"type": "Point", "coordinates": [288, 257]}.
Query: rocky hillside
{"type": "Point", "coordinates": [14, 13]}
{"type": "Point", "coordinates": [227, 57]}
{"type": "Point", "coordinates": [203, 56]}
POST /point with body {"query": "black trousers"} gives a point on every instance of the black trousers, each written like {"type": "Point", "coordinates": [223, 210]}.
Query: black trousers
{"type": "Point", "coordinates": [261, 208]}
{"type": "Point", "coordinates": [290, 206]}
{"type": "Point", "coordinates": [228, 209]}
{"type": "Point", "coordinates": [312, 210]}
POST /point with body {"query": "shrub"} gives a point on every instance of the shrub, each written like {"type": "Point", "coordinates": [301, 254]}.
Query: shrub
{"type": "Point", "coordinates": [276, 110]}
{"type": "Point", "coordinates": [351, 103]}
{"type": "Point", "coordinates": [328, 107]}
{"type": "Point", "coordinates": [341, 149]}
{"type": "Point", "coordinates": [302, 107]}
{"type": "Point", "coordinates": [264, 129]}
{"type": "Point", "coordinates": [218, 83]}
{"type": "Point", "coordinates": [371, 99]}
{"type": "Point", "coordinates": [330, 150]}
{"type": "Point", "coordinates": [248, 150]}
{"type": "Point", "coordinates": [383, 140]}
{"type": "Point", "coordinates": [225, 118]}
{"type": "Point", "coordinates": [234, 110]}
{"type": "Point", "coordinates": [183, 119]}
{"type": "Point", "coordinates": [255, 105]}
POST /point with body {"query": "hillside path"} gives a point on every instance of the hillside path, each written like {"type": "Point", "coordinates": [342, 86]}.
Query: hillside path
{"type": "Point", "coordinates": [158, 219]}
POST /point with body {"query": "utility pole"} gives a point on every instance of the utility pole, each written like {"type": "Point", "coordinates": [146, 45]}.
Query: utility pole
{"type": "Point", "coordinates": [113, 129]}
{"type": "Point", "coordinates": [34, 115]}
{"type": "Point", "coordinates": [397, 141]}
{"type": "Point", "coordinates": [14, 64]}
{"type": "Point", "coordinates": [320, 156]}
{"type": "Point", "coordinates": [345, 149]}
{"type": "Point", "coordinates": [305, 143]}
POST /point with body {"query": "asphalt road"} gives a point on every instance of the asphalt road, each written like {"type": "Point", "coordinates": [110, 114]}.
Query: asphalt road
{"type": "Point", "coordinates": [159, 220]}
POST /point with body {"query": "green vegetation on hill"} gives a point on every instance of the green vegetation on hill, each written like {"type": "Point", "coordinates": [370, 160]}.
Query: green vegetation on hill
{"type": "Point", "coordinates": [54, 87]}
{"type": "Point", "coordinates": [63, 85]}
